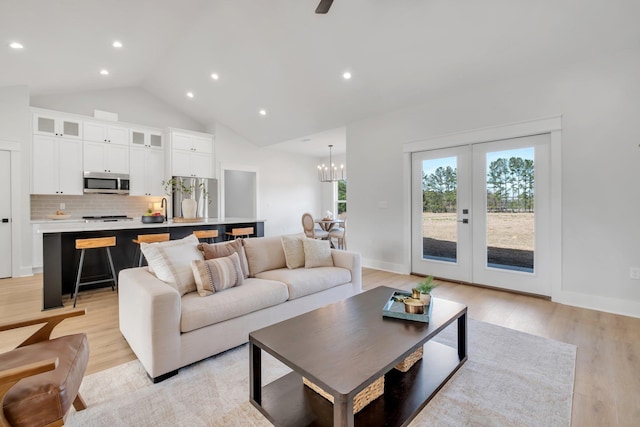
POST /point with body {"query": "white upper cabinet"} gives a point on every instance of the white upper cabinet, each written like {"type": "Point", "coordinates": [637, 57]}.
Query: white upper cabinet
{"type": "Point", "coordinates": [105, 132]}
{"type": "Point", "coordinates": [57, 165]}
{"type": "Point", "coordinates": [147, 171]}
{"type": "Point", "coordinates": [151, 138]}
{"type": "Point", "coordinates": [105, 157]}
{"type": "Point", "coordinates": [57, 125]}
{"type": "Point", "coordinates": [191, 154]}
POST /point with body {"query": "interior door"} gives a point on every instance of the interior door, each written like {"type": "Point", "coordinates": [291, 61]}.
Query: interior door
{"type": "Point", "coordinates": [481, 214]}
{"type": "Point", "coordinates": [5, 214]}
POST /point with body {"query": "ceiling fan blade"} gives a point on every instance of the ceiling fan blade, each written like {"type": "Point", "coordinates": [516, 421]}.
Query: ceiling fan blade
{"type": "Point", "coordinates": [324, 6]}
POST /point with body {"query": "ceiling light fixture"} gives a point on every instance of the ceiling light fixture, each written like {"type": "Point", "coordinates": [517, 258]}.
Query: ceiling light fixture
{"type": "Point", "coordinates": [330, 173]}
{"type": "Point", "coordinates": [263, 112]}
{"type": "Point", "coordinates": [16, 45]}
{"type": "Point", "coordinates": [346, 75]}
{"type": "Point", "coordinates": [215, 76]}
{"type": "Point", "coordinates": [104, 72]}
{"type": "Point", "coordinates": [117, 44]}
{"type": "Point", "coordinates": [190, 94]}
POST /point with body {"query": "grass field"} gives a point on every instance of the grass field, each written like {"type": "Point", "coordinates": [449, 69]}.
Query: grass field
{"type": "Point", "coordinates": [504, 230]}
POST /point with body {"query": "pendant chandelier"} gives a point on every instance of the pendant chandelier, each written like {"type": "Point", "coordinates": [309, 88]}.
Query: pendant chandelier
{"type": "Point", "coordinates": [330, 172]}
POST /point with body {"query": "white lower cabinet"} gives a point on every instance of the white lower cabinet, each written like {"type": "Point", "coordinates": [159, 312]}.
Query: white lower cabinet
{"type": "Point", "coordinates": [57, 165]}
{"type": "Point", "coordinates": [147, 171]}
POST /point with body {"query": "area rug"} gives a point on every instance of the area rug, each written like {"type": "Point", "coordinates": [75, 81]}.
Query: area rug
{"type": "Point", "coordinates": [510, 379]}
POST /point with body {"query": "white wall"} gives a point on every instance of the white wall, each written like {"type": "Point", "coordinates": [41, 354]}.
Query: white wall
{"type": "Point", "coordinates": [287, 182]}
{"type": "Point", "coordinates": [132, 104]}
{"type": "Point", "coordinates": [14, 125]}
{"type": "Point", "coordinates": [599, 102]}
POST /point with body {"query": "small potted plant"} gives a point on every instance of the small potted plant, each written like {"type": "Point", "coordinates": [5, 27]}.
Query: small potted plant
{"type": "Point", "coordinates": [424, 289]}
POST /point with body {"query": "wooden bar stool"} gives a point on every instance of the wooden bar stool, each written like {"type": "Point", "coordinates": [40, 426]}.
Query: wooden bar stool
{"type": "Point", "coordinates": [99, 242]}
{"type": "Point", "coordinates": [208, 235]}
{"type": "Point", "coordinates": [148, 238]}
{"type": "Point", "coordinates": [239, 232]}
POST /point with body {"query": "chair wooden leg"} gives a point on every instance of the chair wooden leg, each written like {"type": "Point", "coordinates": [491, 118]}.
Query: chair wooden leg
{"type": "Point", "coordinates": [79, 403]}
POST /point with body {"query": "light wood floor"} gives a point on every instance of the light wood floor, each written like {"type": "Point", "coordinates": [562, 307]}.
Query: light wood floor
{"type": "Point", "coordinates": [607, 382]}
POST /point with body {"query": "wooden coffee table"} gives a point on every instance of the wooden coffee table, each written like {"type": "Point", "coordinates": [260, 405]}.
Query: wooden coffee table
{"type": "Point", "coordinates": [344, 347]}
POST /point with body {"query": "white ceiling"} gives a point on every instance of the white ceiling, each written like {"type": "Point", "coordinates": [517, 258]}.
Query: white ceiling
{"type": "Point", "coordinates": [279, 55]}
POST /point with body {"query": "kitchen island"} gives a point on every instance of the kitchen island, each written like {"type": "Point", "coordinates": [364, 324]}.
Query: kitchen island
{"type": "Point", "coordinates": [60, 257]}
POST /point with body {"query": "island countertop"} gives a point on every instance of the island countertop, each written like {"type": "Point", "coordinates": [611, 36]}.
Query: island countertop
{"type": "Point", "coordinates": [75, 225]}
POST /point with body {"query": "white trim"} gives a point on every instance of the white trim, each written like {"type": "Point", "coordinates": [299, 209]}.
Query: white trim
{"type": "Point", "coordinates": [493, 133]}
{"type": "Point", "coordinates": [623, 307]}
{"type": "Point", "coordinates": [384, 266]}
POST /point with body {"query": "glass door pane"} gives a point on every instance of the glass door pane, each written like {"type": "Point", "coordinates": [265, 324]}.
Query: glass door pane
{"type": "Point", "coordinates": [439, 209]}
{"type": "Point", "coordinates": [510, 226]}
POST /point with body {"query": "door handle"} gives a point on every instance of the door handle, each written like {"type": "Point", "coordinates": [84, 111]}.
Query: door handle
{"type": "Point", "coordinates": [5, 219]}
{"type": "Point", "coordinates": [464, 221]}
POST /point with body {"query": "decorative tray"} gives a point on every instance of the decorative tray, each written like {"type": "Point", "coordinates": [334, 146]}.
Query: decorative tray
{"type": "Point", "coordinates": [181, 219]}
{"type": "Point", "coordinates": [395, 308]}
{"type": "Point", "coordinates": [60, 216]}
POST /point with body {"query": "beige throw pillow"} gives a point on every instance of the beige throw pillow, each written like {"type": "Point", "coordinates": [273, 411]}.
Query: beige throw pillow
{"type": "Point", "coordinates": [293, 251]}
{"type": "Point", "coordinates": [218, 250]}
{"type": "Point", "coordinates": [171, 261]}
{"type": "Point", "coordinates": [317, 253]}
{"type": "Point", "coordinates": [217, 274]}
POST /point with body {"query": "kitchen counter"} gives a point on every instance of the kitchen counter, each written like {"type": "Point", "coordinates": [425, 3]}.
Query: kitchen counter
{"type": "Point", "coordinates": [74, 225]}
{"type": "Point", "coordinates": [60, 257]}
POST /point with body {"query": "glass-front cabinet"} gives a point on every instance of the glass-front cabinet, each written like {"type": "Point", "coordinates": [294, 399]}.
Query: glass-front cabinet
{"type": "Point", "coordinates": [53, 125]}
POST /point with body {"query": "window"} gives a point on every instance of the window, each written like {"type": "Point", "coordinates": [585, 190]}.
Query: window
{"type": "Point", "coordinates": [341, 197]}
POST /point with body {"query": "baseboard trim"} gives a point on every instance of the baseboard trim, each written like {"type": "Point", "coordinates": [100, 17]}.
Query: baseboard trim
{"type": "Point", "coordinates": [384, 266]}
{"type": "Point", "coordinates": [600, 303]}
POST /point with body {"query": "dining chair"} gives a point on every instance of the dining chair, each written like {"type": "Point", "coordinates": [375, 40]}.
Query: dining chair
{"type": "Point", "coordinates": [340, 235]}
{"type": "Point", "coordinates": [310, 230]}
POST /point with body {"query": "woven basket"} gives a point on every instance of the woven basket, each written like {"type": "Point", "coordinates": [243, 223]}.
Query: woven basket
{"type": "Point", "coordinates": [362, 399]}
{"type": "Point", "coordinates": [410, 360]}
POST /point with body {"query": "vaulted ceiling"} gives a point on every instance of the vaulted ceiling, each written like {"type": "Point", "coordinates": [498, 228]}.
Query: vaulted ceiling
{"type": "Point", "coordinates": [278, 55]}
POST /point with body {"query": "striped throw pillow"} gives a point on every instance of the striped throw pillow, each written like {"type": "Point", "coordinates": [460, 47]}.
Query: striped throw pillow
{"type": "Point", "coordinates": [218, 274]}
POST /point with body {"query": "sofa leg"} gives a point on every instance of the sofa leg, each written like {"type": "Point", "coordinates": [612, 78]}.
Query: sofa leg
{"type": "Point", "coordinates": [79, 404]}
{"type": "Point", "coordinates": [163, 377]}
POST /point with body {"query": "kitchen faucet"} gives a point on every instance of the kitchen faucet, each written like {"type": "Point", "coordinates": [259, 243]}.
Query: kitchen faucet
{"type": "Point", "coordinates": [163, 204]}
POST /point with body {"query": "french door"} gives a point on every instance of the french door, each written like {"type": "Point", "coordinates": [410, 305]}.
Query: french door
{"type": "Point", "coordinates": [481, 214]}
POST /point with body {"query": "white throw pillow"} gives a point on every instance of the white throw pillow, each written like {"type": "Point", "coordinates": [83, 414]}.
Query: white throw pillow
{"type": "Point", "coordinates": [293, 251]}
{"type": "Point", "coordinates": [317, 253]}
{"type": "Point", "coordinates": [171, 261]}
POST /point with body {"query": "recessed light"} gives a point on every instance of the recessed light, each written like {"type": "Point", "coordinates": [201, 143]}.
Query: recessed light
{"type": "Point", "coordinates": [346, 75]}
{"type": "Point", "coordinates": [116, 44]}
{"type": "Point", "coordinates": [190, 94]}
{"type": "Point", "coordinates": [104, 72]}
{"type": "Point", "coordinates": [16, 45]}
{"type": "Point", "coordinates": [215, 76]}
{"type": "Point", "coordinates": [263, 112]}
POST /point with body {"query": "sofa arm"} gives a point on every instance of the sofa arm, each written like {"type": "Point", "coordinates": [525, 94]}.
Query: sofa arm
{"type": "Point", "coordinates": [150, 320]}
{"type": "Point", "coordinates": [351, 261]}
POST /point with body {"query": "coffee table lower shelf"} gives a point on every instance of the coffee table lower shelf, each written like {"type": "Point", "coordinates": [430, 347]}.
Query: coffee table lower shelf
{"type": "Point", "coordinates": [287, 402]}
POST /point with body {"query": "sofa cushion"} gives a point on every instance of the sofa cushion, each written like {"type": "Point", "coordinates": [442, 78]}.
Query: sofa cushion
{"type": "Point", "coordinates": [171, 261]}
{"type": "Point", "coordinates": [293, 250]}
{"type": "Point", "coordinates": [301, 281]}
{"type": "Point", "coordinates": [218, 274]}
{"type": "Point", "coordinates": [317, 253]}
{"type": "Point", "coordinates": [218, 250]}
{"type": "Point", "coordinates": [253, 295]}
{"type": "Point", "coordinates": [264, 253]}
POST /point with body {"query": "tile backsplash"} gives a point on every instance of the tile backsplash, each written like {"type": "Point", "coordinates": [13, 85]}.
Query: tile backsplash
{"type": "Point", "coordinates": [91, 204]}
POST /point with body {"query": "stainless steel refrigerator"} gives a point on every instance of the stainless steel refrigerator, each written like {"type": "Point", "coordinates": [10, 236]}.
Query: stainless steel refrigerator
{"type": "Point", "coordinates": [206, 194]}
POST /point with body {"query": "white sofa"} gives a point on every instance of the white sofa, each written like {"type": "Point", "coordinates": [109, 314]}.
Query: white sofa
{"type": "Point", "coordinates": [167, 331]}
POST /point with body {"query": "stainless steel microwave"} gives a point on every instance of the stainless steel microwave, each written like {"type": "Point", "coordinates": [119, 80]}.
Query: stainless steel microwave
{"type": "Point", "coordinates": [106, 183]}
